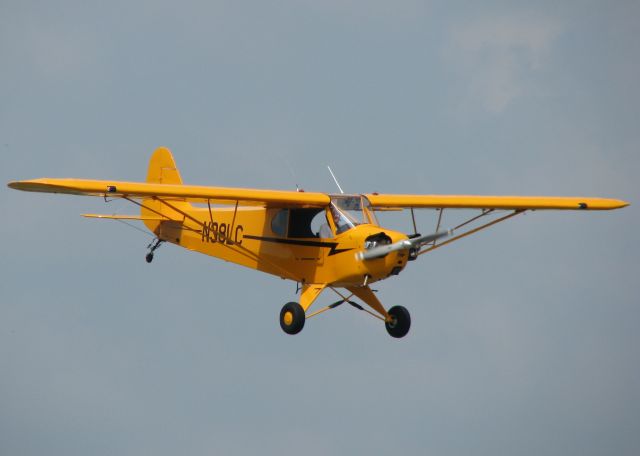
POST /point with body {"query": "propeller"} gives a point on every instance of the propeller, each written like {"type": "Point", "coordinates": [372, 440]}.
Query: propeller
{"type": "Point", "coordinates": [408, 244]}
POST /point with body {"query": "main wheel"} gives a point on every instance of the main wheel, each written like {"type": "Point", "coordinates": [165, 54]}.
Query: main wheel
{"type": "Point", "coordinates": [400, 322]}
{"type": "Point", "coordinates": [292, 318]}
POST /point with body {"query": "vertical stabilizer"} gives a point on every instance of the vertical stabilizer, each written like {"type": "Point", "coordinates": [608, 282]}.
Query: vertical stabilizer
{"type": "Point", "coordinates": [163, 170]}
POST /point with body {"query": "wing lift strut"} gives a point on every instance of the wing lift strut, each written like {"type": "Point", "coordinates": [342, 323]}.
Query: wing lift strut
{"type": "Point", "coordinates": [466, 232]}
{"type": "Point", "coordinates": [201, 229]}
{"type": "Point", "coordinates": [382, 314]}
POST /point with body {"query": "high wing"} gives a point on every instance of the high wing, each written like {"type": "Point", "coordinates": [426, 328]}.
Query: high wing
{"type": "Point", "coordinates": [189, 193]}
{"type": "Point", "coordinates": [493, 210]}
{"type": "Point", "coordinates": [244, 196]}
{"type": "Point", "coordinates": [380, 201]}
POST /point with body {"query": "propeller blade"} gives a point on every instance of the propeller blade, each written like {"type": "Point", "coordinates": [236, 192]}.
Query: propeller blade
{"type": "Point", "coordinates": [422, 240]}
{"type": "Point", "coordinates": [405, 244]}
{"type": "Point", "coordinates": [383, 250]}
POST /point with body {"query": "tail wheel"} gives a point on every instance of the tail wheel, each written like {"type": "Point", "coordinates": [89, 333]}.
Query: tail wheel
{"type": "Point", "coordinates": [292, 318]}
{"type": "Point", "coordinates": [400, 322]}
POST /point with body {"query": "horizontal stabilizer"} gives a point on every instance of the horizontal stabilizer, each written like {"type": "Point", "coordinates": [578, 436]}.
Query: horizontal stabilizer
{"type": "Point", "coordinates": [122, 217]}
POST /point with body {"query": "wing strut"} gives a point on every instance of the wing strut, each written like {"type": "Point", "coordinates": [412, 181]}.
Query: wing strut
{"type": "Point", "coordinates": [166, 218]}
{"type": "Point", "coordinates": [475, 230]}
{"type": "Point", "coordinates": [438, 224]}
{"type": "Point", "coordinates": [413, 219]}
{"type": "Point", "coordinates": [482, 214]}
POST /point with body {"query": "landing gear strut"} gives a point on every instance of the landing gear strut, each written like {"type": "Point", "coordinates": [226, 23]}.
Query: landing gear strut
{"type": "Point", "coordinates": [155, 244]}
{"type": "Point", "coordinates": [397, 320]}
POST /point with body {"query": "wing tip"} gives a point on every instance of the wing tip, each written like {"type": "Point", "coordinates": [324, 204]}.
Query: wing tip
{"type": "Point", "coordinates": [19, 185]}
{"type": "Point", "coordinates": [33, 185]}
{"type": "Point", "coordinates": [614, 204]}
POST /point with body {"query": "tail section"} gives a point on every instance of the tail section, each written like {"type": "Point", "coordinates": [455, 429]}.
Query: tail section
{"type": "Point", "coordinates": [163, 170]}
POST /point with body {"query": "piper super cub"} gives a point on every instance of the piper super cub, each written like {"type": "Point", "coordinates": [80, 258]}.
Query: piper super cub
{"type": "Point", "coordinates": [321, 241]}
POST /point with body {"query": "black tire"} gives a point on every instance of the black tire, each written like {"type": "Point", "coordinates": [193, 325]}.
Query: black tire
{"type": "Point", "coordinates": [401, 323]}
{"type": "Point", "coordinates": [292, 318]}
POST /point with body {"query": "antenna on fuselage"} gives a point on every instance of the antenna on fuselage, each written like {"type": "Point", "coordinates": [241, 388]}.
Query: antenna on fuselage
{"type": "Point", "coordinates": [293, 173]}
{"type": "Point", "coordinates": [335, 180]}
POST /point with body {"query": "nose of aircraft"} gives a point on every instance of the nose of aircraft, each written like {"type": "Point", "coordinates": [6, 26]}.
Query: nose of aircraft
{"type": "Point", "coordinates": [384, 244]}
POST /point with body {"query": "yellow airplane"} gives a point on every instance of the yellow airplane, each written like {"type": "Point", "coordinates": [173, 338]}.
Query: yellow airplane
{"type": "Point", "coordinates": [321, 241]}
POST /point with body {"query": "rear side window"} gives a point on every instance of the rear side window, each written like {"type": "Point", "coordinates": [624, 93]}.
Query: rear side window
{"type": "Point", "coordinates": [279, 222]}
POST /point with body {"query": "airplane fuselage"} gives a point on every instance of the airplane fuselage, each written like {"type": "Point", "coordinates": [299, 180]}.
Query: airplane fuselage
{"type": "Point", "coordinates": [247, 236]}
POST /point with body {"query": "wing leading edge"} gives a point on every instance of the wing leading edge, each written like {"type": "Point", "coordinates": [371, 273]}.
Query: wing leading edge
{"type": "Point", "coordinates": [493, 202]}
{"type": "Point", "coordinates": [244, 196]}
{"type": "Point", "coordinates": [190, 193]}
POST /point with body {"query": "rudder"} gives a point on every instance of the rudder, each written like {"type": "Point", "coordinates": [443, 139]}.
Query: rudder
{"type": "Point", "coordinates": [163, 170]}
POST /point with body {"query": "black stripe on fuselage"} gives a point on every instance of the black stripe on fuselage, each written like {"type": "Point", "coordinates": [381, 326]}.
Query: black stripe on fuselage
{"type": "Point", "coordinates": [327, 245]}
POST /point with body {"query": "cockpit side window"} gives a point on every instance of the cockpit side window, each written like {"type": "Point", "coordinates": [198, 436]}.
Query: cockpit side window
{"type": "Point", "coordinates": [279, 222]}
{"type": "Point", "coordinates": [300, 222]}
{"type": "Point", "coordinates": [340, 220]}
{"type": "Point", "coordinates": [368, 211]}
{"type": "Point", "coordinates": [320, 225]}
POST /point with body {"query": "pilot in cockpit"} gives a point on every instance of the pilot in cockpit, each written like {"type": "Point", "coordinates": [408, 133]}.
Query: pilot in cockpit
{"type": "Point", "coordinates": [340, 221]}
{"type": "Point", "coordinates": [325, 230]}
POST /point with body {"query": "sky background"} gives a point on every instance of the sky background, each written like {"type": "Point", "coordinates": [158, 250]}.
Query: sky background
{"type": "Point", "coordinates": [524, 337]}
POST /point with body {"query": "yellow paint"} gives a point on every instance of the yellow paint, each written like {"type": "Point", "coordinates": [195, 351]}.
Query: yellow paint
{"type": "Point", "coordinates": [250, 228]}
{"type": "Point", "coordinates": [493, 202]}
{"type": "Point", "coordinates": [367, 295]}
{"type": "Point", "coordinates": [309, 293]}
{"type": "Point", "coordinates": [191, 193]}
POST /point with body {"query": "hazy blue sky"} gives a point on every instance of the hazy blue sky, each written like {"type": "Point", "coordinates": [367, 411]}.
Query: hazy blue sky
{"type": "Point", "coordinates": [525, 337]}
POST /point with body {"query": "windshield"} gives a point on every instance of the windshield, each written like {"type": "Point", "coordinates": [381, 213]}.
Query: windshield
{"type": "Point", "coordinates": [349, 211]}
